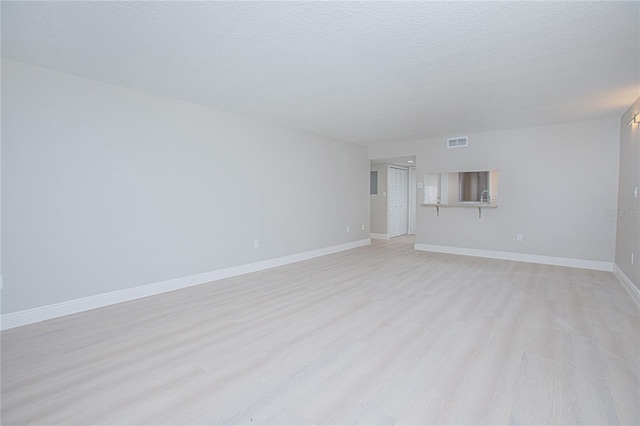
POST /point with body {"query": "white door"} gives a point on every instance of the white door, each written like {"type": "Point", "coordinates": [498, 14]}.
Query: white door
{"type": "Point", "coordinates": [397, 199]}
{"type": "Point", "coordinates": [412, 201]}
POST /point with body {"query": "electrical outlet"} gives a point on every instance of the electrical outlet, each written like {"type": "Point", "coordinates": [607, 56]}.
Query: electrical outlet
{"type": "Point", "coordinates": [348, 229]}
{"type": "Point", "coordinates": [256, 243]}
{"type": "Point", "coordinates": [519, 237]}
{"type": "Point", "coordinates": [363, 226]}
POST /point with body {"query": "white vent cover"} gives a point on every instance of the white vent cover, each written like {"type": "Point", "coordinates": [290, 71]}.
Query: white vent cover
{"type": "Point", "coordinates": [457, 142]}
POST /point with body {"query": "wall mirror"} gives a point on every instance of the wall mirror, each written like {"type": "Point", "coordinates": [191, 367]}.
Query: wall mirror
{"type": "Point", "coordinates": [463, 188]}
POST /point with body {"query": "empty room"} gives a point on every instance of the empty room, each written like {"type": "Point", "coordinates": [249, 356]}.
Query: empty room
{"type": "Point", "coordinates": [320, 213]}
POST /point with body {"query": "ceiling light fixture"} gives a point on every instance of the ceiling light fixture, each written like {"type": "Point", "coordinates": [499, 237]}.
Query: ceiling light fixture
{"type": "Point", "coordinates": [409, 161]}
{"type": "Point", "coordinates": [635, 119]}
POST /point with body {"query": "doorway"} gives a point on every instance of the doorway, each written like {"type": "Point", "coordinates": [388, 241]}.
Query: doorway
{"type": "Point", "coordinates": [397, 201]}
{"type": "Point", "coordinates": [393, 197]}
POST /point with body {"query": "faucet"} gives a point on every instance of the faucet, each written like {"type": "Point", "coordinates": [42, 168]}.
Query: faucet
{"type": "Point", "coordinates": [482, 195]}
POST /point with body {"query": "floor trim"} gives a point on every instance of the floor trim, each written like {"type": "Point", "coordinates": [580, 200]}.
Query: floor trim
{"type": "Point", "coordinates": [519, 257]}
{"type": "Point", "coordinates": [43, 313]}
{"type": "Point", "coordinates": [379, 236]}
{"type": "Point", "coordinates": [627, 284]}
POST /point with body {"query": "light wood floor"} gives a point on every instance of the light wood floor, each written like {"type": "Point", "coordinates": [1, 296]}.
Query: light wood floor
{"type": "Point", "coordinates": [376, 335]}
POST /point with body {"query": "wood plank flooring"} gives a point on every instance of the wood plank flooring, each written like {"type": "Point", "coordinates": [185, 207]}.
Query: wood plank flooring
{"type": "Point", "coordinates": [376, 335]}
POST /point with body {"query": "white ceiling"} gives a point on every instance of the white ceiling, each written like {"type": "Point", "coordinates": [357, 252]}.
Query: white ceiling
{"type": "Point", "coordinates": [367, 72]}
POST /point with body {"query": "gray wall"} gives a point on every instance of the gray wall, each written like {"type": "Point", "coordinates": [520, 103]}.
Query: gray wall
{"type": "Point", "coordinates": [556, 185]}
{"type": "Point", "coordinates": [628, 229]}
{"type": "Point", "coordinates": [378, 206]}
{"type": "Point", "coordinates": [106, 188]}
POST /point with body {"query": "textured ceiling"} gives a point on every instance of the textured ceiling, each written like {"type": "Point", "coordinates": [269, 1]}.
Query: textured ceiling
{"type": "Point", "coordinates": [359, 71]}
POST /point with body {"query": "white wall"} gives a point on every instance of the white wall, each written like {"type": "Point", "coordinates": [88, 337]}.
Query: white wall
{"type": "Point", "coordinates": [106, 188]}
{"type": "Point", "coordinates": [628, 229]}
{"type": "Point", "coordinates": [556, 185]}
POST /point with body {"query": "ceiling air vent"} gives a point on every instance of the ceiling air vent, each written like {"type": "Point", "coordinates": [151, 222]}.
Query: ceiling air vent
{"type": "Point", "coordinates": [457, 142]}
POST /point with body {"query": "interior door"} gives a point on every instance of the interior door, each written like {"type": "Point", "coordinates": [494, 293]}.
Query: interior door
{"type": "Point", "coordinates": [397, 200]}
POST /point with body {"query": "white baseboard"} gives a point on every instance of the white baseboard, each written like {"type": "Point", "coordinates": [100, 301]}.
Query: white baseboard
{"type": "Point", "coordinates": [627, 284]}
{"type": "Point", "coordinates": [379, 236]}
{"type": "Point", "coordinates": [43, 313]}
{"type": "Point", "coordinates": [520, 257]}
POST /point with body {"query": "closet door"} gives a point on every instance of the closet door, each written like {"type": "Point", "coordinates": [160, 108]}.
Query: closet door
{"type": "Point", "coordinates": [397, 200]}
